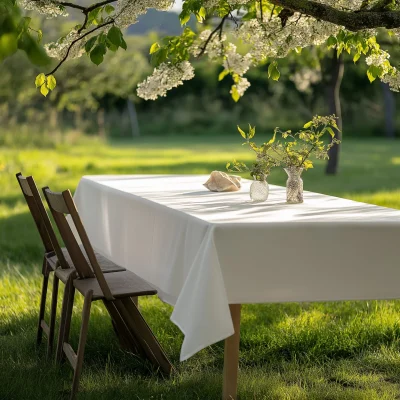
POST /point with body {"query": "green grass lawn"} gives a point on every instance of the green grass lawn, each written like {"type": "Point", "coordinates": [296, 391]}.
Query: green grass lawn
{"type": "Point", "coordinates": [344, 350]}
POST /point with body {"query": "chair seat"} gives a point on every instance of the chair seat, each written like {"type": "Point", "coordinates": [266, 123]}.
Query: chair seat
{"type": "Point", "coordinates": [105, 264]}
{"type": "Point", "coordinates": [122, 284]}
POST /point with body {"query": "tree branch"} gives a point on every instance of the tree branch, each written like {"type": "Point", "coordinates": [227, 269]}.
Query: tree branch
{"type": "Point", "coordinates": [353, 21]}
{"type": "Point", "coordinates": [72, 5]}
{"type": "Point", "coordinates": [218, 28]}
{"type": "Point", "coordinates": [86, 10]}
{"type": "Point", "coordinates": [96, 5]}
{"type": "Point", "coordinates": [75, 41]}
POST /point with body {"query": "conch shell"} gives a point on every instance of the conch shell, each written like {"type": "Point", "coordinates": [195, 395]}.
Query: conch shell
{"type": "Point", "coordinates": [222, 182]}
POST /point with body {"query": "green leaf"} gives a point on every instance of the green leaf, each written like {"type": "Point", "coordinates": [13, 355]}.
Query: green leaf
{"type": "Point", "coordinates": [331, 41]}
{"type": "Point", "coordinates": [331, 132]}
{"type": "Point", "coordinates": [373, 72]}
{"type": "Point", "coordinates": [111, 46]}
{"type": "Point", "coordinates": [97, 54]}
{"type": "Point", "coordinates": [371, 76]}
{"type": "Point", "coordinates": [242, 132]}
{"type": "Point", "coordinates": [39, 35]}
{"type": "Point", "coordinates": [223, 74]}
{"type": "Point", "coordinates": [252, 131]}
{"type": "Point", "coordinates": [114, 35]}
{"type": "Point", "coordinates": [154, 47]}
{"type": "Point", "coordinates": [356, 57]}
{"type": "Point", "coordinates": [94, 16]}
{"type": "Point", "coordinates": [159, 57]}
{"type": "Point", "coordinates": [235, 94]}
{"type": "Point", "coordinates": [273, 71]}
{"type": "Point", "coordinates": [123, 44]}
{"type": "Point", "coordinates": [307, 125]}
{"type": "Point", "coordinates": [308, 164]}
{"type": "Point", "coordinates": [249, 16]}
{"type": "Point", "coordinates": [40, 79]}
{"type": "Point", "coordinates": [273, 138]}
{"type": "Point", "coordinates": [109, 8]}
{"type": "Point", "coordinates": [202, 13]}
{"type": "Point", "coordinates": [51, 82]}
{"type": "Point", "coordinates": [90, 43]}
{"type": "Point", "coordinates": [184, 17]}
{"type": "Point", "coordinates": [8, 44]}
{"type": "Point", "coordinates": [44, 90]}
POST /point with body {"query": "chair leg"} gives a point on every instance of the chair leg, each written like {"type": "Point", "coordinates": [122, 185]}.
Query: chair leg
{"type": "Point", "coordinates": [65, 321]}
{"type": "Point", "coordinates": [82, 343]}
{"type": "Point", "coordinates": [53, 313]}
{"type": "Point", "coordinates": [145, 336]}
{"type": "Point", "coordinates": [42, 303]}
{"type": "Point", "coordinates": [125, 336]}
{"type": "Point", "coordinates": [136, 301]}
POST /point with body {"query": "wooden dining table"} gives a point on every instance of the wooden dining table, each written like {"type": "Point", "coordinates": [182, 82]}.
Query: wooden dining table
{"type": "Point", "coordinates": [208, 253]}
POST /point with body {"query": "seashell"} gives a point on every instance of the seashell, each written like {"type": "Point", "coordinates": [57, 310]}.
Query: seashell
{"type": "Point", "coordinates": [222, 182]}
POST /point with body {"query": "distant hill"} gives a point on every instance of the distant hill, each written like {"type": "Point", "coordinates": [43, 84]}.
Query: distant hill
{"type": "Point", "coordinates": [162, 22]}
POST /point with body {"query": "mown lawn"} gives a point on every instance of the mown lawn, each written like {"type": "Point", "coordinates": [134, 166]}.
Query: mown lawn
{"type": "Point", "coordinates": [344, 350]}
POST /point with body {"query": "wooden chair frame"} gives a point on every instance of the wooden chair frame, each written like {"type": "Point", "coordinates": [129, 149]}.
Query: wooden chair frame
{"type": "Point", "coordinates": [127, 320]}
{"type": "Point", "coordinates": [52, 247]}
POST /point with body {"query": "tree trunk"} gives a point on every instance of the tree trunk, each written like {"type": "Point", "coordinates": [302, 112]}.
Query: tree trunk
{"type": "Point", "coordinates": [101, 123]}
{"type": "Point", "coordinates": [390, 109]}
{"type": "Point", "coordinates": [78, 120]}
{"type": "Point", "coordinates": [337, 70]}
{"type": "Point", "coordinates": [133, 118]}
{"type": "Point", "coordinates": [53, 121]}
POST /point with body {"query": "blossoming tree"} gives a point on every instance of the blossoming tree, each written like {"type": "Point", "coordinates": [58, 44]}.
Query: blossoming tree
{"type": "Point", "coordinates": [270, 28]}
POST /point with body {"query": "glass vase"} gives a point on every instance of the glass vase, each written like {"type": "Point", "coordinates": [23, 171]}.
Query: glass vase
{"type": "Point", "coordinates": [294, 185]}
{"type": "Point", "coordinates": [259, 190]}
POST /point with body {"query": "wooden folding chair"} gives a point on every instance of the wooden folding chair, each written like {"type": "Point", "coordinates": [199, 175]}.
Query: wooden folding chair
{"type": "Point", "coordinates": [54, 257]}
{"type": "Point", "coordinates": [115, 290]}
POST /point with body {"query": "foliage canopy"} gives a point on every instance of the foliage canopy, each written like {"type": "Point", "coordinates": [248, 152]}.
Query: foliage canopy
{"type": "Point", "coordinates": [270, 29]}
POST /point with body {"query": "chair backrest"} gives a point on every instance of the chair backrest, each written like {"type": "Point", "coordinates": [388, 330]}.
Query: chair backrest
{"type": "Point", "coordinates": [41, 218]}
{"type": "Point", "coordinates": [34, 209]}
{"type": "Point", "coordinates": [46, 220]}
{"type": "Point", "coordinates": [62, 204]}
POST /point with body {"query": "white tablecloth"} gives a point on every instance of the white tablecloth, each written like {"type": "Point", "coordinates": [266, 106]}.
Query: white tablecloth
{"type": "Point", "coordinates": [205, 250]}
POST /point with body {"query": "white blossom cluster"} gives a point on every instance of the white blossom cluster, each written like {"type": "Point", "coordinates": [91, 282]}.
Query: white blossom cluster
{"type": "Point", "coordinates": [396, 32]}
{"type": "Point", "coordinates": [305, 77]}
{"type": "Point", "coordinates": [235, 62]}
{"type": "Point", "coordinates": [355, 5]}
{"type": "Point", "coordinates": [269, 39]}
{"type": "Point", "coordinates": [393, 80]}
{"type": "Point", "coordinates": [50, 8]}
{"type": "Point", "coordinates": [165, 77]}
{"type": "Point", "coordinates": [215, 3]}
{"type": "Point", "coordinates": [380, 59]}
{"type": "Point", "coordinates": [214, 48]}
{"type": "Point", "coordinates": [59, 49]}
{"type": "Point", "coordinates": [348, 5]}
{"type": "Point", "coordinates": [241, 86]}
{"type": "Point", "coordinates": [390, 74]}
{"type": "Point", "coordinates": [128, 11]}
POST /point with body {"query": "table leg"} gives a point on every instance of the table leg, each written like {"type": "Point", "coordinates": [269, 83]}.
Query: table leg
{"type": "Point", "coordinates": [231, 357]}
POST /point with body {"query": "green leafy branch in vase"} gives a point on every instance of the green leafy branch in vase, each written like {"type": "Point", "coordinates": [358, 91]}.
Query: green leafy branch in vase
{"type": "Point", "coordinates": [297, 148]}
{"type": "Point", "coordinates": [294, 150]}
{"type": "Point", "coordinates": [265, 157]}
